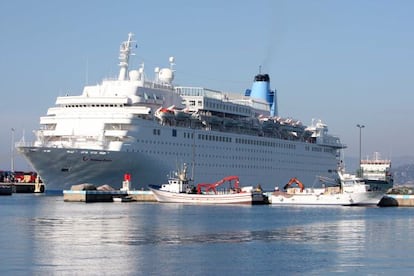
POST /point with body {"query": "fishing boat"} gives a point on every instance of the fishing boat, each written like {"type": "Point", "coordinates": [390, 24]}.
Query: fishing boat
{"type": "Point", "coordinates": [348, 190]}
{"type": "Point", "coordinates": [180, 189]}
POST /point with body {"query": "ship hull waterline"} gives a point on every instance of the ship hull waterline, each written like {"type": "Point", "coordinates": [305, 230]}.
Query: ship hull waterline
{"type": "Point", "coordinates": [60, 170]}
{"type": "Point", "coordinates": [343, 199]}
{"type": "Point", "coordinates": [228, 198]}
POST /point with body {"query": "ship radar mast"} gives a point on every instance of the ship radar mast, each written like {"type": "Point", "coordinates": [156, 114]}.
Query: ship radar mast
{"type": "Point", "coordinates": [172, 60]}
{"type": "Point", "coordinates": [124, 53]}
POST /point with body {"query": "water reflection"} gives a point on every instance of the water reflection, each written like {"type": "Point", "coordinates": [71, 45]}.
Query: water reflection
{"type": "Point", "coordinates": [81, 241]}
{"type": "Point", "coordinates": [127, 230]}
{"type": "Point", "coordinates": [58, 237]}
{"type": "Point", "coordinates": [89, 241]}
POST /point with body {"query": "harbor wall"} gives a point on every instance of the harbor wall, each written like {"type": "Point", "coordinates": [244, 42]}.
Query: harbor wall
{"type": "Point", "coordinates": [390, 200]}
{"type": "Point", "coordinates": [106, 196]}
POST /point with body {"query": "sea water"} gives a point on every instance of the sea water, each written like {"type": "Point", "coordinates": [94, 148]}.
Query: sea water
{"type": "Point", "coordinates": [43, 235]}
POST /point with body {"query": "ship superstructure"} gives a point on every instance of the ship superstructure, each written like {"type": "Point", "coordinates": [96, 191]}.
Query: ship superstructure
{"type": "Point", "coordinates": [146, 127]}
{"type": "Point", "coordinates": [376, 172]}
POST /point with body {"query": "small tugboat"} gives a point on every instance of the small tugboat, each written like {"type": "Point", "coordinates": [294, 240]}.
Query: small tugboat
{"type": "Point", "coordinates": [348, 191]}
{"type": "Point", "coordinates": [180, 190]}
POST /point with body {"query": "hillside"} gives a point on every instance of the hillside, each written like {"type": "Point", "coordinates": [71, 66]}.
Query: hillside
{"type": "Point", "coordinates": [404, 174]}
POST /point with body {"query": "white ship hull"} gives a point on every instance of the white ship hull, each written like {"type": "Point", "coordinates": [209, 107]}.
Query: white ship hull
{"type": "Point", "coordinates": [225, 198]}
{"type": "Point", "coordinates": [150, 160]}
{"type": "Point", "coordinates": [314, 198]}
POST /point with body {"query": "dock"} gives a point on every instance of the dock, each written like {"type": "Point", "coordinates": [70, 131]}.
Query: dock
{"type": "Point", "coordinates": [398, 197]}
{"type": "Point", "coordinates": [21, 182]}
{"type": "Point", "coordinates": [22, 187]}
{"type": "Point", "coordinates": [6, 189]}
{"type": "Point", "coordinates": [107, 196]}
{"type": "Point", "coordinates": [105, 193]}
{"type": "Point", "coordinates": [28, 188]}
{"type": "Point", "coordinates": [392, 200]}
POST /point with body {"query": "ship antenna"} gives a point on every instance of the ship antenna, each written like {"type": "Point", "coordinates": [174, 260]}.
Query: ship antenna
{"type": "Point", "coordinates": [172, 60]}
{"type": "Point", "coordinates": [124, 53]}
{"type": "Point", "coordinates": [260, 69]}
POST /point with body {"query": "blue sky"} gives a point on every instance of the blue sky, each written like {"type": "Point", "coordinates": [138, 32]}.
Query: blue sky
{"type": "Point", "coordinates": [345, 62]}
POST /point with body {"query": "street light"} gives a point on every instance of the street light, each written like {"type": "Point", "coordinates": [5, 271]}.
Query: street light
{"type": "Point", "coordinates": [360, 142]}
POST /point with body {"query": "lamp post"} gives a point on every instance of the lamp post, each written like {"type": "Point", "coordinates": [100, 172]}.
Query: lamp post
{"type": "Point", "coordinates": [12, 150]}
{"type": "Point", "coordinates": [360, 146]}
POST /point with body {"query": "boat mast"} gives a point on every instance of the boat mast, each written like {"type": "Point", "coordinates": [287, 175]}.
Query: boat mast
{"type": "Point", "coordinates": [193, 156]}
{"type": "Point", "coordinates": [124, 52]}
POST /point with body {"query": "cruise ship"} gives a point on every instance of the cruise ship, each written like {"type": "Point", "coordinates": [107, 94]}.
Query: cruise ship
{"type": "Point", "coordinates": [147, 127]}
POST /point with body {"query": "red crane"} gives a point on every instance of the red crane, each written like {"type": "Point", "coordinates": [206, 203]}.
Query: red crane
{"type": "Point", "coordinates": [295, 180]}
{"type": "Point", "coordinates": [213, 186]}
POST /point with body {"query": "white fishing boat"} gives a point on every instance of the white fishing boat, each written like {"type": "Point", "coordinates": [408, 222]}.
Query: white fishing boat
{"type": "Point", "coordinates": [180, 190]}
{"type": "Point", "coordinates": [348, 190]}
